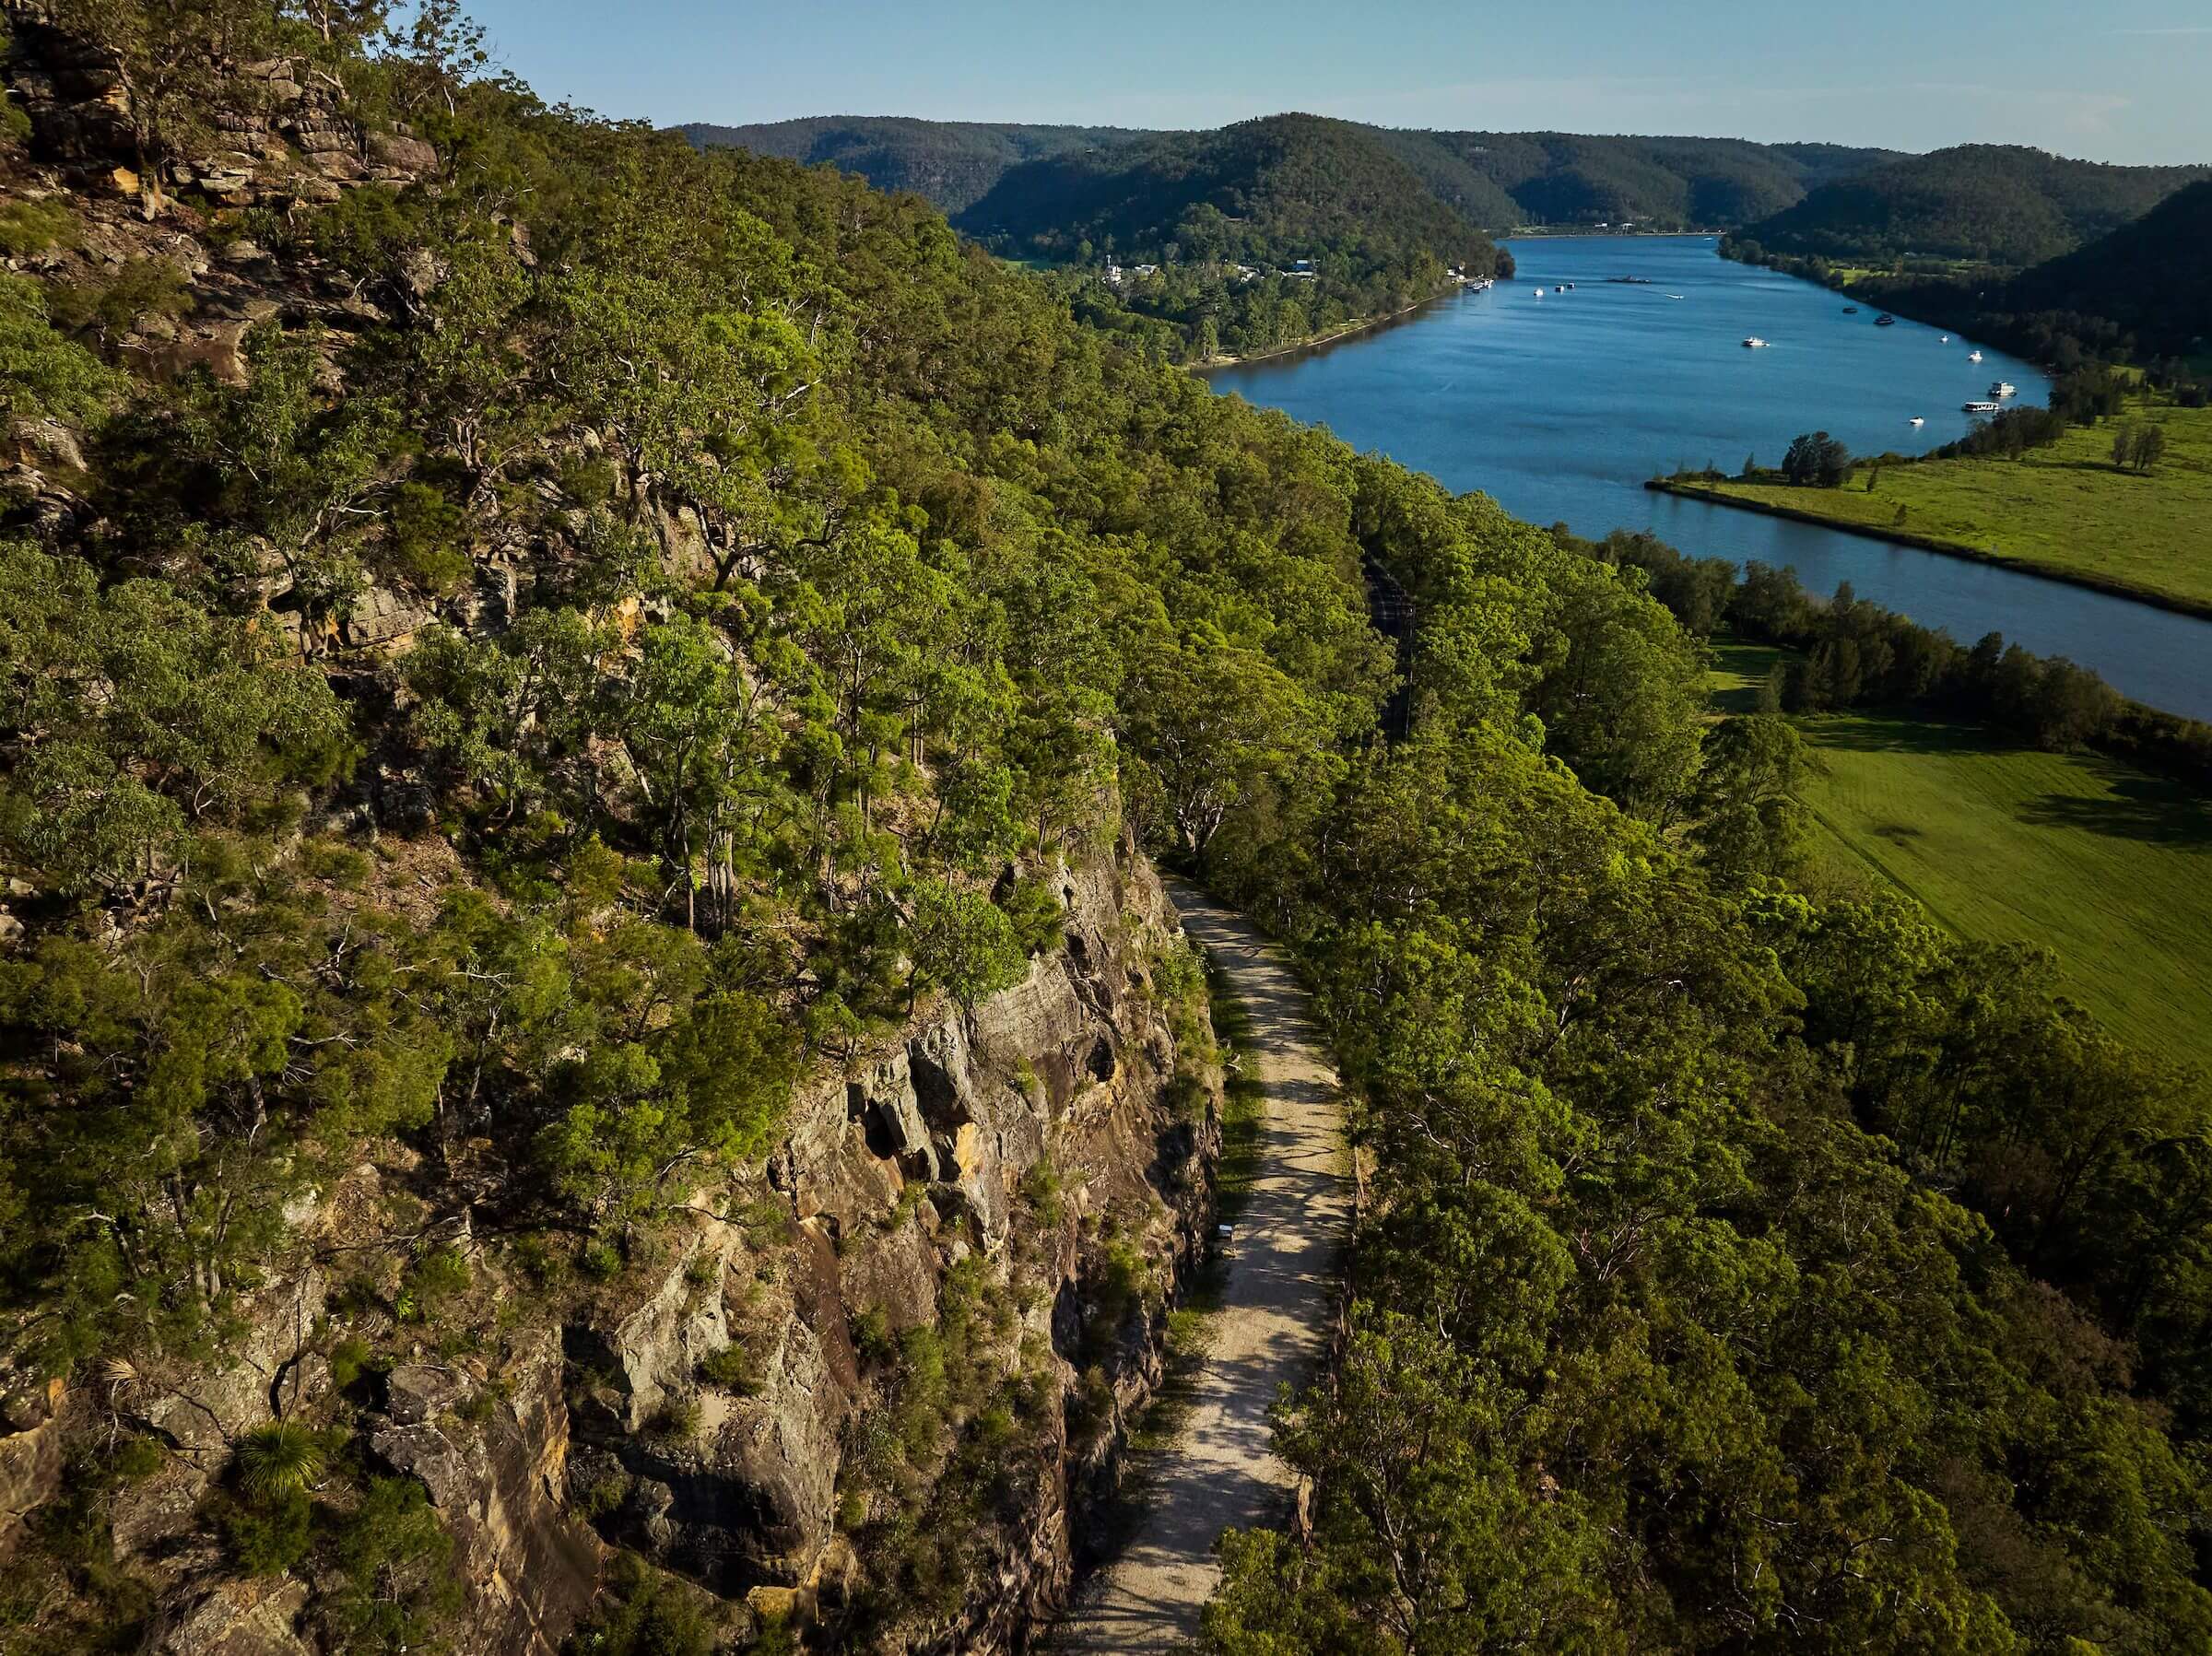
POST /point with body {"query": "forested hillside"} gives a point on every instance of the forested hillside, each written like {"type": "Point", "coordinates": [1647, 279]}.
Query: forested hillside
{"type": "Point", "coordinates": [1496, 180]}
{"type": "Point", "coordinates": [1983, 202]}
{"type": "Point", "coordinates": [1264, 192]}
{"type": "Point", "coordinates": [2147, 279]}
{"type": "Point", "coordinates": [567, 697]}
{"type": "Point", "coordinates": [1238, 241]}
{"type": "Point", "coordinates": [949, 163]}
{"type": "Point", "coordinates": [1657, 184]}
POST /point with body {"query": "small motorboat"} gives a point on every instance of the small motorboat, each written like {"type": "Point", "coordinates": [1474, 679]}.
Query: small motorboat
{"type": "Point", "coordinates": [1754, 344]}
{"type": "Point", "coordinates": [1918, 421]}
{"type": "Point", "coordinates": [1851, 310]}
{"type": "Point", "coordinates": [1943, 339]}
{"type": "Point", "coordinates": [1973, 356]}
{"type": "Point", "coordinates": [1560, 289]}
{"type": "Point", "coordinates": [1885, 320]}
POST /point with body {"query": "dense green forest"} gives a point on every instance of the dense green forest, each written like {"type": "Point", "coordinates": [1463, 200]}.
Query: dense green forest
{"type": "Point", "coordinates": [522, 638]}
{"type": "Point", "coordinates": [2147, 279]}
{"type": "Point", "coordinates": [1496, 180]}
{"type": "Point", "coordinates": [951, 164]}
{"type": "Point", "coordinates": [1741, 1268]}
{"type": "Point", "coordinates": [1657, 184]}
{"type": "Point", "coordinates": [1986, 204]}
{"type": "Point", "coordinates": [1262, 233]}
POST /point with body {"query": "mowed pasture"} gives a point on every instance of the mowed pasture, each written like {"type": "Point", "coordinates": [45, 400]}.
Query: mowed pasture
{"type": "Point", "coordinates": [2067, 510]}
{"type": "Point", "coordinates": [2108, 866]}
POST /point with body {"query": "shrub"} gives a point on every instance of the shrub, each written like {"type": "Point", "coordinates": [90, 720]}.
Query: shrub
{"type": "Point", "coordinates": [601, 1261]}
{"type": "Point", "coordinates": [602, 1497]}
{"type": "Point", "coordinates": [270, 1538]}
{"type": "Point", "coordinates": [1041, 1190]}
{"type": "Point", "coordinates": [732, 1369]}
{"type": "Point", "coordinates": [678, 1417]}
{"type": "Point", "coordinates": [349, 1359]}
{"type": "Point", "coordinates": [32, 227]}
{"type": "Point", "coordinates": [430, 1284]}
{"type": "Point", "coordinates": [872, 1338]}
{"type": "Point", "coordinates": [649, 1615]}
{"type": "Point", "coordinates": [426, 540]}
{"type": "Point", "coordinates": [280, 1460]}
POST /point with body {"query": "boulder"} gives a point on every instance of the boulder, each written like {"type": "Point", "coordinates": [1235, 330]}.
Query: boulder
{"type": "Point", "coordinates": [499, 1484]}
{"type": "Point", "coordinates": [253, 1617]}
{"type": "Point", "coordinates": [397, 154]}
{"type": "Point", "coordinates": [30, 1474]}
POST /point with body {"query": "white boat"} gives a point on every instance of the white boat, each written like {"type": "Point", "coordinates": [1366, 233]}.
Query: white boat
{"type": "Point", "coordinates": [1677, 296]}
{"type": "Point", "coordinates": [2004, 388]}
{"type": "Point", "coordinates": [1980, 408]}
{"type": "Point", "coordinates": [1943, 339]}
{"type": "Point", "coordinates": [1754, 344]}
{"type": "Point", "coordinates": [1973, 356]}
{"type": "Point", "coordinates": [1918, 421]}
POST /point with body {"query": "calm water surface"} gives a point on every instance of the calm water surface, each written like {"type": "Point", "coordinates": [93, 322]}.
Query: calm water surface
{"type": "Point", "coordinates": [1561, 406]}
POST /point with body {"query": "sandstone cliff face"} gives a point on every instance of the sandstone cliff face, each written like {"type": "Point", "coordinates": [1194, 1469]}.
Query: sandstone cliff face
{"type": "Point", "coordinates": [722, 1411]}
{"type": "Point", "coordinates": [889, 1179]}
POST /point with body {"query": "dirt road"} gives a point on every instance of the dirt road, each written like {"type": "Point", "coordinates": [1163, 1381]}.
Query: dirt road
{"type": "Point", "coordinates": [1271, 1327]}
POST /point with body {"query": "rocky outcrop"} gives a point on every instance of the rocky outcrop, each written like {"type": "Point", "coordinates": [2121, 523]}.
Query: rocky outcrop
{"type": "Point", "coordinates": [492, 1451]}
{"type": "Point", "coordinates": [31, 1457]}
{"type": "Point", "coordinates": [730, 1473]}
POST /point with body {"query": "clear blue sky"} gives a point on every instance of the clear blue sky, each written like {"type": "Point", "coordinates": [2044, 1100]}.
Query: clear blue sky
{"type": "Point", "coordinates": [2116, 82]}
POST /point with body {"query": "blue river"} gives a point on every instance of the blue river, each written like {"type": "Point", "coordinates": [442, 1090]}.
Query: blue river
{"type": "Point", "coordinates": [1561, 407]}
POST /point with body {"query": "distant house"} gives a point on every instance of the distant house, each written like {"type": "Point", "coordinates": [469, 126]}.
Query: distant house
{"type": "Point", "coordinates": [1144, 270]}
{"type": "Point", "coordinates": [1302, 267]}
{"type": "Point", "coordinates": [1113, 274]}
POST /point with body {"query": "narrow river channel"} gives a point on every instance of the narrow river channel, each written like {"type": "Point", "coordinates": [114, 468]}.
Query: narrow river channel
{"type": "Point", "coordinates": [1562, 406]}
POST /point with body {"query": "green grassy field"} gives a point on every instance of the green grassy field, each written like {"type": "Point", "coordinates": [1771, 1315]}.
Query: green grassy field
{"type": "Point", "coordinates": [1738, 671]}
{"type": "Point", "coordinates": [2067, 510]}
{"type": "Point", "coordinates": [2109, 867]}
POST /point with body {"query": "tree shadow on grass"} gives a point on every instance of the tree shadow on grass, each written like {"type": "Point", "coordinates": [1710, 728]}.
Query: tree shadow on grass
{"type": "Point", "coordinates": [2147, 809]}
{"type": "Point", "coordinates": [1857, 733]}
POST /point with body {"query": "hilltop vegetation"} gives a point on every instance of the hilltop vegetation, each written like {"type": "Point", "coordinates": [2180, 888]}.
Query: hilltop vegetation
{"type": "Point", "coordinates": [1495, 181]}
{"type": "Point", "coordinates": [1981, 202]}
{"type": "Point", "coordinates": [580, 636]}
{"type": "Point", "coordinates": [952, 164]}
{"type": "Point", "coordinates": [1658, 184]}
{"type": "Point", "coordinates": [1265, 232]}
{"type": "Point", "coordinates": [2145, 280]}
{"type": "Point", "coordinates": [1263, 192]}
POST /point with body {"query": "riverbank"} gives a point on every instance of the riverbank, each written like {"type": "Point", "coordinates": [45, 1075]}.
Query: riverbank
{"type": "Point", "coordinates": [1315, 342]}
{"type": "Point", "coordinates": [1823, 512]}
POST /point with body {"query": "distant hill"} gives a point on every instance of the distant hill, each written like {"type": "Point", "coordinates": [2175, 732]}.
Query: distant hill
{"type": "Point", "coordinates": [1268, 192]}
{"type": "Point", "coordinates": [1494, 180]}
{"type": "Point", "coordinates": [1993, 204]}
{"type": "Point", "coordinates": [951, 163]}
{"type": "Point", "coordinates": [2151, 279]}
{"type": "Point", "coordinates": [1567, 178]}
